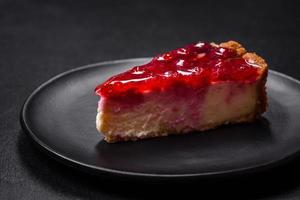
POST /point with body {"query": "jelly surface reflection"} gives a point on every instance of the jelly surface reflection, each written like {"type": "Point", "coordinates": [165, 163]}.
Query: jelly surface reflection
{"type": "Point", "coordinates": [194, 65]}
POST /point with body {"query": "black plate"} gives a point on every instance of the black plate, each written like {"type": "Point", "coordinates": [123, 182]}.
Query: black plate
{"type": "Point", "coordinates": [60, 117]}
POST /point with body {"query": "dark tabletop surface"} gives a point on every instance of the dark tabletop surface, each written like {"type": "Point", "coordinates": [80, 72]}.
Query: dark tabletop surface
{"type": "Point", "coordinates": [40, 39]}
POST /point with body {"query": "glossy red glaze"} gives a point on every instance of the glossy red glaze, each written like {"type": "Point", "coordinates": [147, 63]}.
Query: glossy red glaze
{"type": "Point", "coordinates": [194, 65]}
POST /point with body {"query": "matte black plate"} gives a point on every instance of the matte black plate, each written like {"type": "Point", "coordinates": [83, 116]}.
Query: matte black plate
{"type": "Point", "coordinates": [60, 117]}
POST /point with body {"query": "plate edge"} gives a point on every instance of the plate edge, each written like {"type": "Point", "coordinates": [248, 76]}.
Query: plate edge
{"type": "Point", "coordinates": [99, 170]}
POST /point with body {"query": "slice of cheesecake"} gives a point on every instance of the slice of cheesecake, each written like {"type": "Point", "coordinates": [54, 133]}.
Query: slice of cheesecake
{"type": "Point", "coordinates": [194, 88]}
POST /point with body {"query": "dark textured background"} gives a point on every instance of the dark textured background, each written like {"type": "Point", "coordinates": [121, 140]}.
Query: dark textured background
{"type": "Point", "coordinates": [39, 39]}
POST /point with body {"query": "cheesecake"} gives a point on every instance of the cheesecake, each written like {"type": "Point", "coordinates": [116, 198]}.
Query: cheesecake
{"type": "Point", "coordinates": [190, 89]}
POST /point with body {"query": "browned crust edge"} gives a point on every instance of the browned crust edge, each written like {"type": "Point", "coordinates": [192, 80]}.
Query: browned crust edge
{"type": "Point", "coordinates": [242, 119]}
{"type": "Point", "coordinates": [262, 102]}
{"type": "Point", "coordinates": [261, 105]}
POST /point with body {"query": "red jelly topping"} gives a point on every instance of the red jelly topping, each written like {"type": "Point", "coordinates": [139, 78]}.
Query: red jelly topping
{"type": "Point", "coordinates": [194, 65]}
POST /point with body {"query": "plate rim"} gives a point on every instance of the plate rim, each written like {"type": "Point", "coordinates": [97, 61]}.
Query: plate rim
{"type": "Point", "coordinates": [96, 170]}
